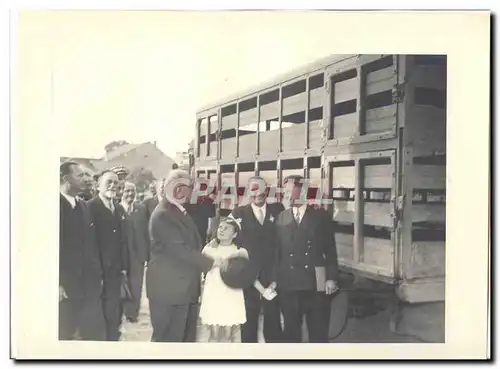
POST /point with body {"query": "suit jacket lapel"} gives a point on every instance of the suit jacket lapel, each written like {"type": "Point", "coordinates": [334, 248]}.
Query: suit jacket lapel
{"type": "Point", "coordinates": [185, 220]}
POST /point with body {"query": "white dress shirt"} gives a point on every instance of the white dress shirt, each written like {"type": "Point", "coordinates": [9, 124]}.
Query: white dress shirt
{"type": "Point", "coordinates": [259, 212]}
{"type": "Point", "coordinates": [301, 210]}
{"type": "Point", "coordinates": [108, 203]}
{"type": "Point", "coordinates": [71, 200]}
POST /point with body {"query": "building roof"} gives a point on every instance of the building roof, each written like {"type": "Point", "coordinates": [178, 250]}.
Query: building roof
{"type": "Point", "coordinates": [121, 150]}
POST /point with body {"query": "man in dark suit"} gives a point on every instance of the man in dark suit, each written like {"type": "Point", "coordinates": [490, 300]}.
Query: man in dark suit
{"type": "Point", "coordinates": [174, 272]}
{"type": "Point", "coordinates": [306, 267]}
{"type": "Point", "coordinates": [151, 202]}
{"type": "Point", "coordinates": [137, 225]}
{"type": "Point", "coordinates": [80, 273]}
{"type": "Point", "coordinates": [258, 237]}
{"type": "Point", "coordinates": [112, 238]}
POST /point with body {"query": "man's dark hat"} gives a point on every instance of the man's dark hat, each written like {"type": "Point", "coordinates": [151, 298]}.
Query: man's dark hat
{"type": "Point", "coordinates": [239, 274]}
{"type": "Point", "coordinates": [339, 310]}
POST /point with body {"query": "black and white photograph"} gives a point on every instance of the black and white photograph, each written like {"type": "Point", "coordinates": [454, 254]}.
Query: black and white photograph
{"type": "Point", "coordinates": [231, 177]}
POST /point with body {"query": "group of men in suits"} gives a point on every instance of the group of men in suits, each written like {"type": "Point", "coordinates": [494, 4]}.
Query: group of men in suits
{"type": "Point", "coordinates": [104, 245]}
{"type": "Point", "coordinates": [292, 250]}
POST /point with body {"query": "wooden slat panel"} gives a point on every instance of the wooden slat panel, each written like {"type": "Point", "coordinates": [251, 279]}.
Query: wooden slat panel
{"type": "Point", "coordinates": [270, 176]}
{"type": "Point", "coordinates": [203, 151]}
{"type": "Point", "coordinates": [294, 104]}
{"type": "Point", "coordinates": [244, 177]}
{"type": "Point", "coordinates": [379, 252]}
{"type": "Point", "coordinates": [380, 80]}
{"type": "Point", "coordinates": [345, 125]}
{"type": "Point", "coordinates": [270, 111]}
{"type": "Point", "coordinates": [315, 132]}
{"type": "Point", "coordinates": [346, 90]}
{"type": "Point", "coordinates": [294, 137]}
{"type": "Point", "coordinates": [381, 113]}
{"type": "Point", "coordinates": [378, 176]}
{"type": "Point", "coordinates": [427, 259]}
{"type": "Point", "coordinates": [343, 177]}
{"type": "Point", "coordinates": [248, 145]}
{"type": "Point", "coordinates": [248, 117]}
{"type": "Point", "coordinates": [214, 125]}
{"type": "Point", "coordinates": [428, 213]}
{"type": "Point", "coordinates": [343, 211]}
{"type": "Point", "coordinates": [344, 244]}
{"type": "Point", "coordinates": [316, 98]}
{"type": "Point", "coordinates": [429, 76]}
{"type": "Point", "coordinates": [378, 214]}
{"type": "Point", "coordinates": [429, 177]}
{"type": "Point", "coordinates": [213, 149]}
{"type": "Point", "coordinates": [229, 122]}
{"type": "Point", "coordinates": [269, 141]}
{"type": "Point", "coordinates": [228, 147]}
{"type": "Point", "coordinates": [379, 126]}
{"type": "Point", "coordinates": [315, 177]}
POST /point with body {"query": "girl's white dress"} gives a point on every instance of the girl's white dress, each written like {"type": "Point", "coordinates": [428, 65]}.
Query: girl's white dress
{"type": "Point", "coordinates": [220, 304]}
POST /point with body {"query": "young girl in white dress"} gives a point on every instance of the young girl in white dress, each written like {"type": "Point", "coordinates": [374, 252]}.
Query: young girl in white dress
{"type": "Point", "coordinates": [222, 308]}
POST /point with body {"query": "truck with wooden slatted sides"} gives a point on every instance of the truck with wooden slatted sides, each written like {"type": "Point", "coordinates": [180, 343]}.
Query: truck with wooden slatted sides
{"type": "Point", "coordinates": [369, 132]}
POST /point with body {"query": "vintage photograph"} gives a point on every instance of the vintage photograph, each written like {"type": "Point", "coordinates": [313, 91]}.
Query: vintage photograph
{"type": "Point", "coordinates": [222, 195]}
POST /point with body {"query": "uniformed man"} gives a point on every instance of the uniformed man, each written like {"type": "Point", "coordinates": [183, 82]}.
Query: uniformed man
{"type": "Point", "coordinates": [112, 240]}
{"type": "Point", "coordinates": [306, 267]}
{"type": "Point", "coordinates": [122, 174]}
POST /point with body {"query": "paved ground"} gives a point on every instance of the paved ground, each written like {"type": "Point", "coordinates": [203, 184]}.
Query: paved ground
{"type": "Point", "coordinates": [371, 329]}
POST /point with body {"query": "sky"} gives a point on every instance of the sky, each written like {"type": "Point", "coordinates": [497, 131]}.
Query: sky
{"type": "Point", "coordinates": [141, 76]}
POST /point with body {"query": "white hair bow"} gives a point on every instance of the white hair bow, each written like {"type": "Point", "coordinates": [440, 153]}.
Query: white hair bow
{"type": "Point", "coordinates": [237, 221]}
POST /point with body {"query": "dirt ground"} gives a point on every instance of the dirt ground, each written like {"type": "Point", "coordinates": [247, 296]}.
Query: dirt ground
{"type": "Point", "coordinates": [371, 329]}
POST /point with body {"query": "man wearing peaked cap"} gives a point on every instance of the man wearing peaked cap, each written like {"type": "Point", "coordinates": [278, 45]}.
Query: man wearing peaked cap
{"type": "Point", "coordinates": [122, 174]}
{"type": "Point", "coordinates": [305, 268]}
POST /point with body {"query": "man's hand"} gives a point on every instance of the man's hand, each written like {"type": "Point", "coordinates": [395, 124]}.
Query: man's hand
{"type": "Point", "coordinates": [220, 263]}
{"type": "Point", "coordinates": [269, 294]}
{"type": "Point", "coordinates": [62, 294]}
{"type": "Point", "coordinates": [331, 287]}
{"type": "Point", "coordinates": [212, 243]}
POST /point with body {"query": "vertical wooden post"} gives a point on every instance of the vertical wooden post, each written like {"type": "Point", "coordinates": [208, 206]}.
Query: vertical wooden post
{"type": "Point", "coordinates": [219, 133]}
{"type": "Point", "coordinates": [258, 125]}
{"type": "Point", "coordinates": [359, 213]}
{"type": "Point", "coordinates": [308, 104]}
{"type": "Point", "coordinates": [207, 137]}
{"type": "Point", "coordinates": [237, 128]}
{"type": "Point", "coordinates": [280, 148]}
{"type": "Point", "coordinates": [236, 181]}
{"type": "Point", "coordinates": [359, 101]}
{"type": "Point", "coordinates": [327, 108]}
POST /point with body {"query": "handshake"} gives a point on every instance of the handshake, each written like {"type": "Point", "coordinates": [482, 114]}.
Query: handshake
{"type": "Point", "coordinates": [220, 263]}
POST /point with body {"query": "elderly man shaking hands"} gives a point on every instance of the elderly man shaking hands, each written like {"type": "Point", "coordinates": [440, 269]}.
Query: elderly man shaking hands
{"type": "Point", "coordinates": [176, 263]}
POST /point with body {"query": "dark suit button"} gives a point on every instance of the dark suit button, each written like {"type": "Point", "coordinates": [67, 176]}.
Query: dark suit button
{"type": "Point", "coordinates": [114, 230]}
{"type": "Point", "coordinates": [291, 254]}
{"type": "Point", "coordinates": [307, 266]}
{"type": "Point", "coordinates": [307, 253]}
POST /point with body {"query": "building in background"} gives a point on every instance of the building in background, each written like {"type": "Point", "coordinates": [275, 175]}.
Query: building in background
{"type": "Point", "coordinates": [182, 159]}
{"type": "Point", "coordinates": [132, 156]}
